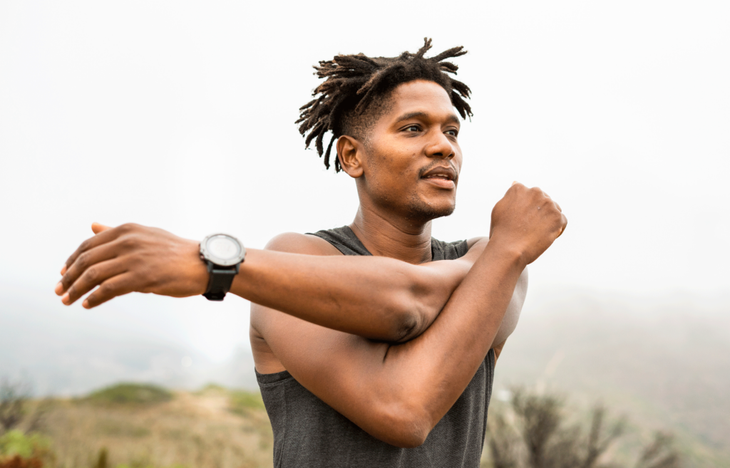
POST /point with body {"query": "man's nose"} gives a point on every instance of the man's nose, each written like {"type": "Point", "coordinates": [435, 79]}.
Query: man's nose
{"type": "Point", "coordinates": [440, 146]}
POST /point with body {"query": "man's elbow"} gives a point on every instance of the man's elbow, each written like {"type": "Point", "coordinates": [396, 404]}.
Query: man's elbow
{"type": "Point", "coordinates": [412, 440]}
{"type": "Point", "coordinates": [406, 429]}
{"type": "Point", "coordinates": [408, 326]}
{"type": "Point", "coordinates": [415, 312]}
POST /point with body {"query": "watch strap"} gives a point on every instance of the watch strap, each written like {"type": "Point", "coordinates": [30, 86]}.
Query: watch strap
{"type": "Point", "coordinates": [220, 280]}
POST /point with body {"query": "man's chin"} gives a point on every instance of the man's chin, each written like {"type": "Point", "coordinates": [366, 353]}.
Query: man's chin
{"type": "Point", "coordinates": [429, 212]}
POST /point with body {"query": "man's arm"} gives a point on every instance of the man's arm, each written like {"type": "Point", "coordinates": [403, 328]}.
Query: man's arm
{"type": "Point", "coordinates": [375, 297]}
{"type": "Point", "coordinates": [399, 392]}
{"type": "Point", "coordinates": [524, 223]}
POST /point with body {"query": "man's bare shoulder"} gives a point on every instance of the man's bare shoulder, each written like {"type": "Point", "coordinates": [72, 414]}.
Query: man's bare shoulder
{"type": "Point", "coordinates": [476, 247]}
{"type": "Point", "coordinates": [294, 242]}
{"type": "Point", "coordinates": [477, 240]}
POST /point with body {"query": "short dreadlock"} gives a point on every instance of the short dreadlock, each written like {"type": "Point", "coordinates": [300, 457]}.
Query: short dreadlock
{"type": "Point", "coordinates": [354, 82]}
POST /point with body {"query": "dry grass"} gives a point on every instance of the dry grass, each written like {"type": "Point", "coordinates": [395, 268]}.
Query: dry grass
{"type": "Point", "coordinates": [194, 430]}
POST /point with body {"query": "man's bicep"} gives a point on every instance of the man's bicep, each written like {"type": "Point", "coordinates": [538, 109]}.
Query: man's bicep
{"type": "Point", "coordinates": [329, 363]}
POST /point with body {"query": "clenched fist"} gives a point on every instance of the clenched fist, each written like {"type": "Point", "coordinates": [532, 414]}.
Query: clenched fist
{"type": "Point", "coordinates": [528, 220]}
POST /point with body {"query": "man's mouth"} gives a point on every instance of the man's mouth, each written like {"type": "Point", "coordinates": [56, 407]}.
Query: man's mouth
{"type": "Point", "coordinates": [441, 176]}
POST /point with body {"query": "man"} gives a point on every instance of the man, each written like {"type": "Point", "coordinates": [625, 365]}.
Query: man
{"type": "Point", "coordinates": [374, 344]}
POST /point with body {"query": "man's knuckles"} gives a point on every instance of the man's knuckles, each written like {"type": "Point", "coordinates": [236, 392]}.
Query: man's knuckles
{"type": "Point", "coordinates": [85, 245]}
{"type": "Point", "coordinates": [82, 262]}
{"type": "Point", "coordinates": [129, 242]}
{"type": "Point", "coordinates": [92, 275]}
{"type": "Point", "coordinates": [128, 228]}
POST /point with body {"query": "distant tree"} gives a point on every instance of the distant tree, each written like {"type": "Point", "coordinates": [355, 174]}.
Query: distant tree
{"type": "Point", "coordinates": [659, 453]}
{"type": "Point", "coordinates": [16, 407]}
{"type": "Point", "coordinates": [532, 433]}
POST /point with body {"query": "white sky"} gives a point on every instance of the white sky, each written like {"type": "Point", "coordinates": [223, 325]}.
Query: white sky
{"type": "Point", "coordinates": [180, 115]}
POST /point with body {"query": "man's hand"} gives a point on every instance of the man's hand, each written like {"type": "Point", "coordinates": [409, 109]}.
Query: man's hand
{"type": "Point", "coordinates": [132, 258]}
{"type": "Point", "coordinates": [528, 220]}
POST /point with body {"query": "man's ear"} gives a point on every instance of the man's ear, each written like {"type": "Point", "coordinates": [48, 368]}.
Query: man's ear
{"type": "Point", "coordinates": [350, 154]}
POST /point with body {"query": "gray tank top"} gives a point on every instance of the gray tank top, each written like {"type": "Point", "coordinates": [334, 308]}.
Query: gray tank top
{"type": "Point", "coordinates": [310, 434]}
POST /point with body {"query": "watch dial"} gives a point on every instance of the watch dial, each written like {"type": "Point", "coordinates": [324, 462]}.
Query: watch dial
{"type": "Point", "coordinates": [223, 247]}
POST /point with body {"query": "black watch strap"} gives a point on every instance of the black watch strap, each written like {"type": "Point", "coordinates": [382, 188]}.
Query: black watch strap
{"type": "Point", "coordinates": [220, 280]}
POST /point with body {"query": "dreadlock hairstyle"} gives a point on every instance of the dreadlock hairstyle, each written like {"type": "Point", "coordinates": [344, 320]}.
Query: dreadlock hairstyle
{"type": "Point", "coordinates": [353, 84]}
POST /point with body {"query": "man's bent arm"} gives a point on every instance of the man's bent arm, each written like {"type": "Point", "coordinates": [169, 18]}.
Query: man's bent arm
{"type": "Point", "coordinates": [398, 392]}
{"type": "Point", "coordinates": [375, 297]}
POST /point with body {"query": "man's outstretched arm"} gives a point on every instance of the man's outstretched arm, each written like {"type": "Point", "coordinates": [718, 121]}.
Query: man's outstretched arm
{"type": "Point", "coordinates": [398, 392]}
{"type": "Point", "coordinates": [374, 297]}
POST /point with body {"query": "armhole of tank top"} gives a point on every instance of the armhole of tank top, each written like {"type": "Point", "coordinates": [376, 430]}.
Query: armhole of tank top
{"type": "Point", "coordinates": [271, 380]}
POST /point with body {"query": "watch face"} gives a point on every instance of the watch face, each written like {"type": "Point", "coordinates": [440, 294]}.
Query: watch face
{"type": "Point", "coordinates": [222, 249]}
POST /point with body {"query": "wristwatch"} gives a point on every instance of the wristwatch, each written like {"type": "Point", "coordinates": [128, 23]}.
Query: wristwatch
{"type": "Point", "coordinates": [223, 255]}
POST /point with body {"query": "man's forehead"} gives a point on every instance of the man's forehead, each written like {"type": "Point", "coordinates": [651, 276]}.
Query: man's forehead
{"type": "Point", "coordinates": [421, 99]}
{"type": "Point", "coordinates": [449, 117]}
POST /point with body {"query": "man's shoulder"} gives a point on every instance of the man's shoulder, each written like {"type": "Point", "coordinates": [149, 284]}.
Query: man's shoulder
{"type": "Point", "coordinates": [474, 240]}
{"type": "Point", "coordinates": [295, 242]}
{"type": "Point", "coordinates": [441, 250]}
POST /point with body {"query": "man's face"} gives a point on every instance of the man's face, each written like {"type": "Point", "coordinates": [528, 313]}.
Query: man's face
{"type": "Point", "coordinates": [412, 155]}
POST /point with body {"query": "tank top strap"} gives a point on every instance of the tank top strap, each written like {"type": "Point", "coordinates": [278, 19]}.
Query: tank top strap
{"type": "Point", "coordinates": [344, 240]}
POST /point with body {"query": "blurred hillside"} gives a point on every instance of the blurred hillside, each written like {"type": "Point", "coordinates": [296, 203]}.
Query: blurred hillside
{"type": "Point", "coordinates": [663, 363]}
{"type": "Point", "coordinates": [121, 426]}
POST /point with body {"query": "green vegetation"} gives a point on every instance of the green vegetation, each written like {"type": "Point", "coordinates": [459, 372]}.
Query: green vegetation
{"type": "Point", "coordinates": [211, 428]}
{"type": "Point", "coordinates": [102, 461]}
{"type": "Point", "coordinates": [242, 401]}
{"type": "Point", "coordinates": [130, 393]}
{"type": "Point", "coordinates": [15, 442]}
{"type": "Point", "coordinates": [212, 388]}
{"type": "Point", "coordinates": [217, 427]}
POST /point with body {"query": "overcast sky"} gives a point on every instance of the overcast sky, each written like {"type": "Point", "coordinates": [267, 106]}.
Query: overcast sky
{"type": "Point", "coordinates": [181, 115]}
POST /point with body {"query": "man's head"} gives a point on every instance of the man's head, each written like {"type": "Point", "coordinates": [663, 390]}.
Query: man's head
{"type": "Point", "coordinates": [357, 91]}
{"type": "Point", "coordinates": [408, 166]}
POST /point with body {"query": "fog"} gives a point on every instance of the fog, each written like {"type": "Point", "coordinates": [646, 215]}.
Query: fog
{"type": "Point", "coordinates": [181, 115]}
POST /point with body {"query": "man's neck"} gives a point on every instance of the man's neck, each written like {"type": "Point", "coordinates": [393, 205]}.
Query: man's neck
{"type": "Point", "coordinates": [391, 236]}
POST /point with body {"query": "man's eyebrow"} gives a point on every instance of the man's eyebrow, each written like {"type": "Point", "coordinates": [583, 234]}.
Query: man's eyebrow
{"type": "Point", "coordinates": [451, 118]}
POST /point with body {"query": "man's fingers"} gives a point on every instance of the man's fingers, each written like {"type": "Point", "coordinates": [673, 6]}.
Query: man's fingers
{"type": "Point", "coordinates": [98, 227]}
{"type": "Point", "coordinates": [93, 276]}
{"type": "Point", "coordinates": [104, 236]}
{"type": "Point", "coordinates": [113, 287]}
{"type": "Point", "coordinates": [84, 261]}
{"type": "Point", "coordinates": [564, 224]}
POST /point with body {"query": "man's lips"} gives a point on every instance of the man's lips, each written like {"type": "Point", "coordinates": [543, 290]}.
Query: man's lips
{"type": "Point", "coordinates": [442, 176]}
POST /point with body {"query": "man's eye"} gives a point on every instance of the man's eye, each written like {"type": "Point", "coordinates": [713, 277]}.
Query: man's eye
{"type": "Point", "coordinates": [412, 128]}
{"type": "Point", "coordinates": [452, 132]}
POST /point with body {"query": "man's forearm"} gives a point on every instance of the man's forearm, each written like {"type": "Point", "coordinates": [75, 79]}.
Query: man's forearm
{"type": "Point", "coordinates": [398, 392]}
{"type": "Point", "coordinates": [374, 297]}
{"type": "Point", "coordinates": [461, 336]}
